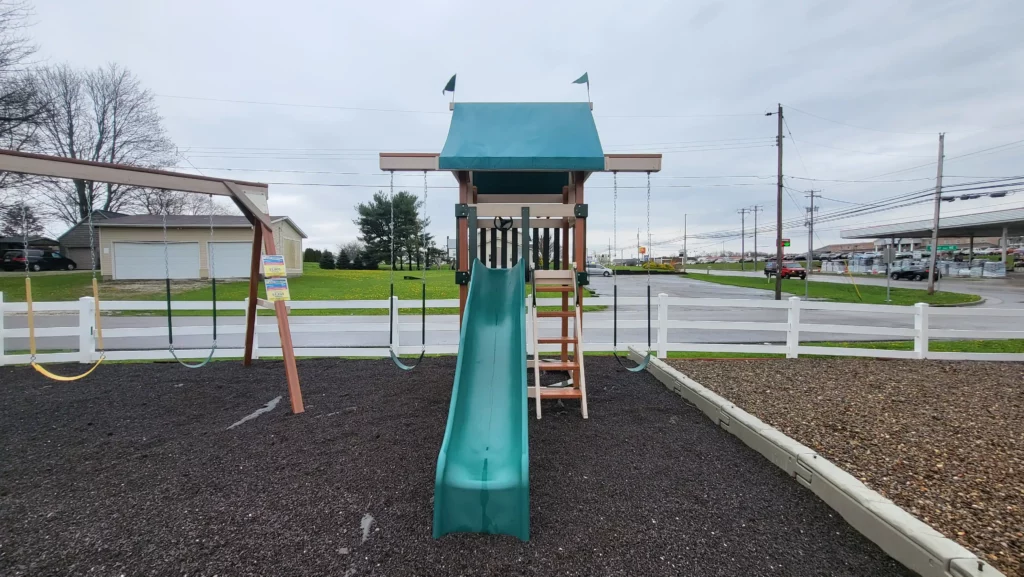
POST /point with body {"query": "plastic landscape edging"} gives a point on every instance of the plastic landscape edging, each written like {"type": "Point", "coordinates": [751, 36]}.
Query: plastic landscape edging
{"type": "Point", "coordinates": [902, 536]}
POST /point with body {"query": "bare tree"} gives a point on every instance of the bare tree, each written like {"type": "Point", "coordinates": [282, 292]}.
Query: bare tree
{"type": "Point", "coordinates": [19, 220]}
{"type": "Point", "coordinates": [104, 115]}
{"type": "Point", "coordinates": [150, 201]}
{"type": "Point", "coordinates": [20, 105]}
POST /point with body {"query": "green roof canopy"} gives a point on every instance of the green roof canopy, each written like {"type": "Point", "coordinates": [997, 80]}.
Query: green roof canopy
{"type": "Point", "coordinates": [543, 136]}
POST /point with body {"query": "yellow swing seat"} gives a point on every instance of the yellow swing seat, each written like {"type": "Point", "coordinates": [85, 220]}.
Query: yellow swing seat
{"type": "Point", "coordinates": [32, 336]}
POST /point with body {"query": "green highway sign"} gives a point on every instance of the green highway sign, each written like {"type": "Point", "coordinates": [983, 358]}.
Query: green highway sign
{"type": "Point", "coordinates": [943, 247]}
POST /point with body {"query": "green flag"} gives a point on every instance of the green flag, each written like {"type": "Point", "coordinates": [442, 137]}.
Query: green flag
{"type": "Point", "coordinates": [450, 87]}
{"type": "Point", "coordinates": [584, 80]}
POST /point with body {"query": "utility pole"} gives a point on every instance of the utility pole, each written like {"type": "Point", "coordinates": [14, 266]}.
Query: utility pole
{"type": "Point", "coordinates": [778, 210]}
{"type": "Point", "coordinates": [810, 244]}
{"type": "Point", "coordinates": [685, 255]}
{"type": "Point", "coordinates": [743, 235]}
{"type": "Point", "coordinates": [638, 259]}
{"type": "Point", "coordinates": [755, 209]}
{"type": "Point", "coordinates": [935, 223]}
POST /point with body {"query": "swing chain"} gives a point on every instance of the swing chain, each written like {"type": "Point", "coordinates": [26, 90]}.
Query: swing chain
{"type": "Point", "coordinates": [24, 242]}
{"type": "Point", "coordinates": [210, 273]}
{"type": "Point", "coordinates": [167, 267]}
{"type": "Point", "coordinates": [391, 224]}
{"type": "Point", "coordinates": [649, 253]}
{"type": "Point", "coordinates": [615, 223]}
{"type": "Point", "coordinates": [426, 249]}
{"type": "Point", "coordinates": [92, 259]}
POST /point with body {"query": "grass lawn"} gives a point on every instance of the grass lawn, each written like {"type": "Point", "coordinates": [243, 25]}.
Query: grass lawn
{"type": "Point", "coordinates": [843, 293]}
{"type": "Point", "coordinates": [971, 346]}
{"type": "Point", "coordinates": [314, 284]}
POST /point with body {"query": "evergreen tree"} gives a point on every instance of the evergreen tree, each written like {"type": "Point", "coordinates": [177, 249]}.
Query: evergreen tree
{"type": "Point", "coordinates": [311, 255]}
{"type": "Point", "coordinates": [369, 263]}
{"type": "Point", "coordinates": [327, 260]}
{"type": "Point", "coordinates": [344, 263]}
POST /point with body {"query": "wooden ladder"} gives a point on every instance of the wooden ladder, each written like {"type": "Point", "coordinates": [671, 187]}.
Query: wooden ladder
{"type": "Point", "coordinates": [563, 282]}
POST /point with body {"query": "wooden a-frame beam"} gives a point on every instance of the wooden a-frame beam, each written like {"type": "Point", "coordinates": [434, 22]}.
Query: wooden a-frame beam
{"type": "Point", "coordinates": [59, 167]}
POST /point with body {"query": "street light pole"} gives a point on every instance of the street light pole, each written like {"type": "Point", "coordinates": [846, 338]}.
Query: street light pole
{"type": "Point", "coordinates": [935, 223]}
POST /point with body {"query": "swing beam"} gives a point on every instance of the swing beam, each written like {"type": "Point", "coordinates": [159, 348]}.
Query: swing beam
{"type": "Point", "coordinates": [250, 197]}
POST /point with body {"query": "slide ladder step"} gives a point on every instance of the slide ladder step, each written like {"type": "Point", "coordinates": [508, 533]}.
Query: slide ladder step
{"type": "Point", "coordinates": [556, 340]}
{"type": "Point", "coordinates": [554, 289]}
{"type": "Point", "coordinates": [555, 393]}
{"type": "Point", "coordinates": [555, 366]}
{"type": "Point", "coordinates": [556, 314]}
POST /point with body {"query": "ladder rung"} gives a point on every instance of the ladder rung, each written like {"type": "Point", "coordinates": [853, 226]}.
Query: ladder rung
{"type": "Point", "coordinates": [556, 340]}
{"type": "Point", "coordinates": [557, 274]}
{"type": "Point", "coordinates": [554, 289]}
{"type": "Point", "coordinates": [555, 393]}
{"type": "Point", "coordinates": [556, 314]}
{"type": "Point", "coordinates": [557, 366]}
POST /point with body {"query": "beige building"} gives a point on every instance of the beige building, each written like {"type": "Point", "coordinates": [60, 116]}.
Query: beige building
{"type": "Point", "coordinates": [132, 247]}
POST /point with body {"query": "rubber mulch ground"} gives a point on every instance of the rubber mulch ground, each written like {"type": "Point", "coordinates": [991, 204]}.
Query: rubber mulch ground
{"type": "Point", "coordinates": [134, 471]}
{"type": "Point", "coordinates": [943, 440]}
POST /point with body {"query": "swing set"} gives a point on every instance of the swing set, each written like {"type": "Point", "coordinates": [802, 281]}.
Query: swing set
{"type": "Point", "coordinates": [251, 199]}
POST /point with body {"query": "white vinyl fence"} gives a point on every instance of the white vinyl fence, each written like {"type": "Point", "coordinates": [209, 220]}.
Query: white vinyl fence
{"type": "Point", "coordinates": [790, 332]}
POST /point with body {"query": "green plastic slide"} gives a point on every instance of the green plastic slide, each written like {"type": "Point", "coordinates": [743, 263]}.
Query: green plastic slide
{"type": "Point", "coordinates": [482, 480]}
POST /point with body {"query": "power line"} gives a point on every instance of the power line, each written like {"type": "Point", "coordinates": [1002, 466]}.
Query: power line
{"type": "Point", "coordinates": [791, 107]}
{"type": "Point", "coordinates": [407, 111]}
{"type": "Point", "coordinates": [863, 151]}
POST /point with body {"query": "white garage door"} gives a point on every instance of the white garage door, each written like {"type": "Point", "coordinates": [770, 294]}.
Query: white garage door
{"type": "Point", "coordinates": [145, 260]}
{"type": "Point", "coordinates": [231, 259]}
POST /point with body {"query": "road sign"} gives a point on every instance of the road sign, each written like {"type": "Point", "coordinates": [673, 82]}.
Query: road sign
{"type": "Point", "coordinates": [785, 242]}
{"type": "Point", "coordinates": [943, 247]}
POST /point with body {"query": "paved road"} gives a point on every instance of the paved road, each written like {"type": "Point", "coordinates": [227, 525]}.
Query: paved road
{"type": "Point", "coordinates": [1008, 292]}
{"type": "Point", "coordinates": [1006, 295]}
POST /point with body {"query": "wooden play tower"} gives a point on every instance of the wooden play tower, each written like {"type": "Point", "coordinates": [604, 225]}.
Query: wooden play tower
{"type": "Point", "coordinates": [521, 169]}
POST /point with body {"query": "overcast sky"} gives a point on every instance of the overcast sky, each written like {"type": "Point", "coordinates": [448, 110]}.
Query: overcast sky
{"type": "Point", "coordinates": [690, 79]}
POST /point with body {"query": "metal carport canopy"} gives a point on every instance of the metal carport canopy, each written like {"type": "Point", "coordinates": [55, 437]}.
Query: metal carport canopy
{"type": "Point", "coordinates": [977, 224]}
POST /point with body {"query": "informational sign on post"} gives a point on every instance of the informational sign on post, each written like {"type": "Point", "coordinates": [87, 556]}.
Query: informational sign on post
{"type": "Point", "coordinates": [785, 242]}
{"type": "Point", "coordinates": [643, 250]}
{"type": "Point", "coordinates": [273, 265]}
{"type": "Point", "coordinates": [277, 289]}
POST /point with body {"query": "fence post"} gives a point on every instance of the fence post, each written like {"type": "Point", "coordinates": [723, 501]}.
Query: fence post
{"type": "Point", "coordinates": [255, 328]}
{"type": "Point", "coordinates": [2, 353]}
{"type": "Point", "coordinates": [86, 329]}
{"type": "Point", "coordinates": [793, 332]}
{"type": "Point", "coordinates": [395, 338]}
{"type": "Point", "coordinates": [921, 327]}
{"type": "Point", "coordinates": [662, 326]}
{"type": "Point", "coordinates": [529, 328]}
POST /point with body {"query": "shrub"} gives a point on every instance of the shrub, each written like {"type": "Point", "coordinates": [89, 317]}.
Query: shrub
{"type": "Point", "coordinates": [327, 260]}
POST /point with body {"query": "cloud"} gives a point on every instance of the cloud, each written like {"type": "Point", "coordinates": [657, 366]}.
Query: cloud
{"type": "Point", "coordinates": [655, 67]}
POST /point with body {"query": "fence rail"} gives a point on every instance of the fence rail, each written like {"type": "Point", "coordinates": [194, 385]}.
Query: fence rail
{"type": "Point", "coordinates": [790, 332]}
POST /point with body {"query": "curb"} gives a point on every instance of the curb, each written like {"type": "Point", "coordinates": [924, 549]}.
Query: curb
{"type": "Point", "coordinates": [978, 302]}
{"type": "Point", "coordinates": [902, 536]}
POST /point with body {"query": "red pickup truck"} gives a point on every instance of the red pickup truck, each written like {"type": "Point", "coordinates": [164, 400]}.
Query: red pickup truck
{"type": "Point", "coordinates": [789, 270]}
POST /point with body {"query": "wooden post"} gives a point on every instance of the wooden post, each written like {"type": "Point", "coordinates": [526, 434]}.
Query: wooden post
{"type": "Point", "coordinates": [580, 256]}
{"type": "Point", "coordinates": [462, 254]}
{"type": "Point", "coordinates": [254, 285]}
{"type": "Point", "coordinates": [291, 372]}
{"type": "Point", "coordinates": [565, 296]}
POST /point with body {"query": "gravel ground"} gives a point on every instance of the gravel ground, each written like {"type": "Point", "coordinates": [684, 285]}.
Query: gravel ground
{"type": "Point", "coordinates": [135, 472]}
{"type": "Point", "coordinates": [944, 440]}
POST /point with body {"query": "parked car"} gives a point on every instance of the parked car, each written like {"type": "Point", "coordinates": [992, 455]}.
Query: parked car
{"type": "Point", "coordinates": [37, 260]}
{"type": "Point", "coordinates": [790, 269]}
{"type": "Point", "coordinates": [600, 270]}
{"type": "Point", "coordinates": [917, 272]}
